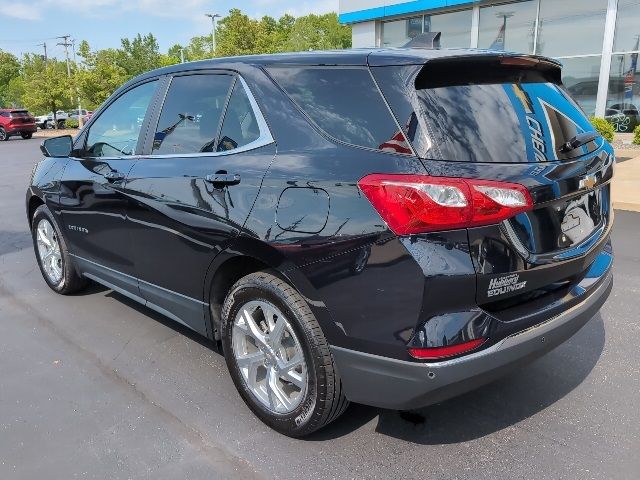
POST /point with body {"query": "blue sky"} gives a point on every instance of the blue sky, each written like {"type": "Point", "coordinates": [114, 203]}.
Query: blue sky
{"type": "Point", "coordinates": [24, 24]}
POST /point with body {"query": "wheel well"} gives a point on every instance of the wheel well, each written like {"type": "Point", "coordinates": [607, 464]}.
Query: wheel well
{"type": "Point", "coordinates": [34, 203]}
{"type": "Point", "coordinates": [226, 275]}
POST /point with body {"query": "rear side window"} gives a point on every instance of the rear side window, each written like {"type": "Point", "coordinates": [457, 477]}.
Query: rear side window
{"type": "Point", "coordinates": [240, 126]}
{"type": "Point", "coordinates": [345, 103]}
{"type": "Point", "coordinates": [191, 114]}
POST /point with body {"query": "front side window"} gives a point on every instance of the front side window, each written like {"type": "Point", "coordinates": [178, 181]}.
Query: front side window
{"type": "Point", "coordinates": [191, 114]}
{"type": "Point", "coordinates": [345, 103]}
{"type": "Point", "coordinates": [115, 133]}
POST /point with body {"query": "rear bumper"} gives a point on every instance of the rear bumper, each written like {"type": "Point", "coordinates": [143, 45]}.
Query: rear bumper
{"type": "Point", "coordinates": [401, 385]}
{"type": "Point", "coordinates": [18, 129]}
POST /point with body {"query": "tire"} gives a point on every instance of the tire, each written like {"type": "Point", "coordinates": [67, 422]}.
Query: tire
{"type": "Point", "coordinates": [26, 136]}
{"type": "Point", "coordinates": [3, 135]}
{"type": "Point", "coordinates": [68, 281]}
{"type": "Point", "coordinates": [319, 399]}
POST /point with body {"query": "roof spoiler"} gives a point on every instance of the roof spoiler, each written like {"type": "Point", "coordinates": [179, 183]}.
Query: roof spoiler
{"type": "Point", "coordinates": [424, 40]}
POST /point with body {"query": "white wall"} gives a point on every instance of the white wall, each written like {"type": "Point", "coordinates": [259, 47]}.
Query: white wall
{"type": "Point", "coordinates": [364, 34]}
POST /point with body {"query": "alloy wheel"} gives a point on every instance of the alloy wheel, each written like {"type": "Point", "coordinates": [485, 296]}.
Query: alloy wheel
{"type": "Point", "coordinates": [49, 251]}
{"type": "Point", "coordinates": [269, 356]}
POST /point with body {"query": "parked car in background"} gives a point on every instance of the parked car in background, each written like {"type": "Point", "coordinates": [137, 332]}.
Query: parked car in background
{"type": "Point", "coordinates": [14, 122]}
{"type": "Point", "coordinates": [76, 114]}
{"type": "Point", "coordinates": [47, 121]}
{"type": "Point", "coordinates": [391, 227]}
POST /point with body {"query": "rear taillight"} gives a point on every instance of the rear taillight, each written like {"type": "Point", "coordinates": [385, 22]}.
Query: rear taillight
{"type": "Point", "coordinates": [419, 203]}
{"type": "Point", "coordinates": [436, 353]}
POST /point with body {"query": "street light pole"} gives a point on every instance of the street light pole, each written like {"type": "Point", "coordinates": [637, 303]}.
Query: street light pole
{"type": "Point", "coordinates": [213, 17]}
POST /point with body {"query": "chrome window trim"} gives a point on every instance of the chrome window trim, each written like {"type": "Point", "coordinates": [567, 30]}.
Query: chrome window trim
{"type": "Point", "coordinates": [264, 139]}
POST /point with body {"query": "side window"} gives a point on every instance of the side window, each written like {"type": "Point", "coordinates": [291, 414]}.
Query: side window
{"type": "Point", "coordinates": [115, 133]}
{"type": "Point", "coordinates": [191, 114]}
{"type": "Point", "coordinates": [240, 125]}
{"type": "Point", "coordinates": [344, 102]}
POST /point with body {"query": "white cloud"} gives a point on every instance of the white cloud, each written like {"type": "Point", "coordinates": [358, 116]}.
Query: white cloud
{"type": "Point", "coordinates": [22, 11]}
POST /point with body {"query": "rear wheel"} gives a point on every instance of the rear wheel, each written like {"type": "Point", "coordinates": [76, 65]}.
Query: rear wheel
{"type": "Point", "coordinates": [3, 135]}
{"type": "Point", "coordinates": [278, 356]}
{"type": "Point", "coordinates": [26, 136]}
{"type": "Point", "coordinates": [55, 263]}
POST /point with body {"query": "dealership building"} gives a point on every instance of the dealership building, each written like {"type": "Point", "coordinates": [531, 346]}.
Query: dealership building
{"type": "Point", "coordinates": [597, 41]}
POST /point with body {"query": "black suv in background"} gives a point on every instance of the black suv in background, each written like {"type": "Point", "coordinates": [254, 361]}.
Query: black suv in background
{"type": "Point", "coordinates": [389, 227]}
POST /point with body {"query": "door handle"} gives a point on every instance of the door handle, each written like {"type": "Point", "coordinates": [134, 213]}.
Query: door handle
{"type": "Point", "coordinates": [223, 178]}
{"type": "Point", "coordinates": [114, 176]}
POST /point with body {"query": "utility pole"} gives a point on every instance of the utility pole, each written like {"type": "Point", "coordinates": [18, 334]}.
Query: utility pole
{"type": "Point", "coordinates": [80, 118]}
{"type": "Point", "coordinates": [44, 45]}
{"type": "Point", "coordinates": [66, 46]}
{"type": "Point", "coordinates": [213, 17]}
{"type": "Point", "coordinates": [182, 55]}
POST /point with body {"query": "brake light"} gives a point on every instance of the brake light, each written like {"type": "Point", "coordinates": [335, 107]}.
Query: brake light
{"type": "Point", "coordinates": [412, 204]}
{"type": "Point", "coordinates": [446, 351]}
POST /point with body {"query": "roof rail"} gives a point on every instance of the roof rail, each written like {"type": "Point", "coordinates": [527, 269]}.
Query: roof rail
{"type": "Point", "coordinates": [424, 40]}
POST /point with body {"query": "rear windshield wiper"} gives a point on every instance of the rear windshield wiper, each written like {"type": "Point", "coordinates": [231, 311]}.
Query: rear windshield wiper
{"type": "Point", "coordinates": [578, 141]}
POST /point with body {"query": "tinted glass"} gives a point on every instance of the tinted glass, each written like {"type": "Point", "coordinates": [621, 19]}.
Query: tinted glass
{"type": "Point", "coordinates": [627, 31]}
{"type": "Point", "coordinates": [191, 114]}
{"type": "Point", "coordinates": [115, 133]}
{"type": "Point", "coordinates": [623, 99]}
{"type": "Point", "coordinates": [508, 116]}
{"type": "Point", "coordinates": [344, 102]}
{"type": "Point", "coordinates": [508, 27]}
{"type": "Point", "coordinates": [455, 28]}
{"type": "Point", "coordinates": [571, 27]}
{"type": "Point", "coordinates": [240, 126]}
{"type": "Point", "coordinates": [399, 32]}
{"type": "Point", "coordinates": [580, 77]}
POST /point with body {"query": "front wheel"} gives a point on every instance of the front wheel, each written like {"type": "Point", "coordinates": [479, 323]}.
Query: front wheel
{"type": "Point", "coordinates": [26, 136]}
{"type": "Point", "coordinates": [278, 357]}
{"type": "Point", "coordinates": [55, 263]}
{"type": "Point", "coordinates": [3, 135]}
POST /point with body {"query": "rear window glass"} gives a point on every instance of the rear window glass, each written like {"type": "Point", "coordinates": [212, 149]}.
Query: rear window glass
{"type": "Point", "coordinates": [345, 103]}
{"type": "Point", "coordinates": [498, 116]}
{"type": "Point", "coordinates": [19, 113]}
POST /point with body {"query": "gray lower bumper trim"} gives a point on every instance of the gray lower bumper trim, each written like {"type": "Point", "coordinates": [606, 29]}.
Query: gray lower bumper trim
{"type": "Point", "coordinates": [401, 385]}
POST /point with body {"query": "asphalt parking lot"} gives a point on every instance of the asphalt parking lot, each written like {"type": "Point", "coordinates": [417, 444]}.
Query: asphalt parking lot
{"type": "Point", "coordinates": [94, 386]}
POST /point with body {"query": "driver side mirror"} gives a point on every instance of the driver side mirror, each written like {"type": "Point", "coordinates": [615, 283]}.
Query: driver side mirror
{"type": "Point", "coordinates": [57, 147]}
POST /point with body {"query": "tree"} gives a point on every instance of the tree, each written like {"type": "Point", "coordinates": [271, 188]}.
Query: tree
{"type": "Point", "coordinates": [237, 34]}
{"type": "Point", "coordinates": [139, 55]}
{"type": "Point", "coordinates": [9, 70]}
{"type": "Point", "coordinates": [46, 86]}
{"type": "Point", "coordinates": [318, 32]}
{"type": "Point", "coordinates": [99, 74]}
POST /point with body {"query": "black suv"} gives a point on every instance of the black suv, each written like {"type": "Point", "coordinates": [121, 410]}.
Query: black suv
{"type": "Point", "coordinates": [388, 227]}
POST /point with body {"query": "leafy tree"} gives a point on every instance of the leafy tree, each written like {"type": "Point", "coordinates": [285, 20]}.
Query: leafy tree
{"type": "Point", "coordinates": [318, 32]}
{"type": "Point", "coordinates": [99, 74]}
{"type": "Point", "coordinates": [237, 34]}
{"type": "Point", "coordinates": [9, 70]}
{"type": "Point", "coordinates": [47, 87]}
{"type": "Point", "coordinates": [139, 55]}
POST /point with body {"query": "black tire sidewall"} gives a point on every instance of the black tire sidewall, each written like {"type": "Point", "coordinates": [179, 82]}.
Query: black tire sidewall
{"type": "Point", "coordinates": [296, 421]}
{"type": "Point", "coordinates": [6, 135]}
{"type": "Point", "coordinates": [26, 136]}
{"type": "Point", "coordinates": [43, 212]}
